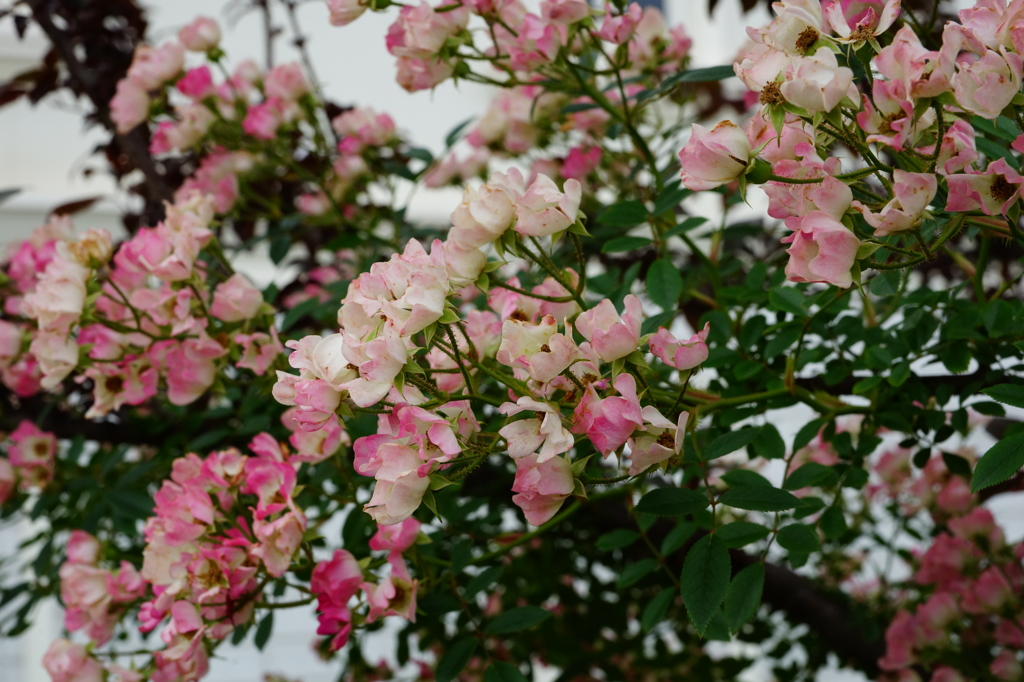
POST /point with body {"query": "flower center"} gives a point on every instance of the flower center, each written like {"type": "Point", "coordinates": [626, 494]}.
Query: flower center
{"type": "Point", "coordinates": [545, 348]}
{"type": "Point", "coordinates": [113, 384]}
{"type": "Point", "coordinates": [666, 440]}
{"type": "Point", "coordinates": [806, 38]}
{"type": "Point", "coordinates": [1001, 189]}
{"type": "Point", "coordinates": [772, 94]}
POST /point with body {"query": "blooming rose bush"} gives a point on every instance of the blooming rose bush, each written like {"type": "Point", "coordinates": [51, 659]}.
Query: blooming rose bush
{"type": "Point", "coordinates": [578, 428]}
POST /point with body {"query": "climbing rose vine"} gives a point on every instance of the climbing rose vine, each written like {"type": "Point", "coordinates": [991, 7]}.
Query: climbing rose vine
{"type": "Point", "coordinates": [690, 363]}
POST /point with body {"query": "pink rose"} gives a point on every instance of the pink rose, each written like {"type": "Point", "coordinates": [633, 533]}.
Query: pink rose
{"type": "Point", "coordinates": [913, 192]}
{"type": "Point", "coordinates": [564, 12]}
{"type": "Point", "coordinates": [993, 192]}
{"type": "Point", "coordinates": [154, 66]}
{"type": "Point", "coordinates": [285, 82]}
{"type": "Point", "coordinates": [197, 83]}
{"type": "Point", "coordinates": [818, 83]}
{"type": "Point", "coordinates": [279, 540]}
{"type": "Point", "coordinates": [713, 158]}
{"type": "Point", "coordinates": [202, 35]}
{"type": "Point", "coordinates": [901, 638]}
{"type": "Point", "coordinates": [396, 538]}
{"type": "Point", "coordinates": [893, 121]}
{"type": "Point", "coordinates": [525, 436]}
{"type": "Point", "coordinates": [537, 348]}
{"type": "Point", "coordinates": [822, 250]}
{"type": "Point", "coordinates": [958, 149]}
{"type": "Point", "coordinates": [130, 105]}
{"type": "Point", "coordinates": [1006, 666]}
{"type": "Point", "coordinates": [422, 74]}
{"type": "Point", "coordinates": [420, 32]}
{"type": "Point", "coordinates": [985, 87]}
{"type": "Point", "coordinates": [544, 210]}
{"type": "Point", "coordinates": [344, 12]}
{"type": "Point", "coordinates": [868, 17]}
{"type": "Point", "coordinates": [619, 28]}
{"type": "Point", "coordinates": [400, 487]}
{"type": "Point", "coordinates": [236, 299]}
{"type": "Point", "coordinates": [67, 662]}
{"type": "Point", "coordinates": [541, 487]}
{"type": "Point", "coordinates": [609, 422]}
{"type": "Point", "coordinates": [334, 583]}
{"type": "Point", "coordinates": [581, 162]}
{"type": "Point", "coordinates": [656, 441]}
{"type": "Point", "coordinates": [611, 336]}
{"type": "Point", "coordinates": [83, 548]}
{"type": "Point", "coordinates": [682, 355]}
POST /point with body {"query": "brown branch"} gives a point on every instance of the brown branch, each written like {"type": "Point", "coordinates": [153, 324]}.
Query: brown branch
{"type": "Point", "coordinates": [132, 144]}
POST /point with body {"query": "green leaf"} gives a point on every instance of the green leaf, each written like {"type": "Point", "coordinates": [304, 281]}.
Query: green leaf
{"type": "Point", "coordinates": [483, 581]}
{"type": "Point", "coordinates": [807, 433]}
{"type": "Point", "coordinates": [744, 596]}
{"type": "Point", "coordinates": [809, 474]}
{"type": "Point", "coordinates": [677, 537]}
{"type": "Point", "coordinates": [1009, 394]}
{"type": "Point", "coordinates": [634, 572]}
{"type": "Point", "coordinates": [781, 342]}
{"type": "Point", "coordinates": [768, 443]}
{"type": "Point", "coordinates": [988, 408]}
{"type": "Point", "coordinates": [788, 299]}
{"type": "Point", "coordinates": [669, 199]}
{"type": "Point", "coordinates": [455, 659]}
{"type": "Point", "coordinates": [832, 523]}
{"type": "Point", "coordinates": [624, 214]}
{"type": "Point", "coordinates": [957, 465]}
{"type": "Point", "coordinates": [741, 533]}
{"type": "Point", "coordinates": [620, 244]}
{"type": "Point", "coordinates": [757, 498]}
{"type": "Point", "coordinates": [672, 502]}
{"type": "Point", "coordinates": [517, 619]}
{"type": "Point", "coordinates": [656, 609]}
{"type": "Point", "coordinates": [705, 580]}
{"type": "Point", "coordinates": [706, 75]}
{"type": "Point", "coordinates": [504, 672]}
{"type": "Point", "coordinates": [796, 537]}
{"type": "Point", "coordinates": [453, 136]}
{"type": "Point", "coordinates": [617, 539]}
{"type": "Point", "coordinates": [741, 477]}
{"type": "Point", "coordinates": [1001, 462]}
{"type": "Point", "coordinates": [685, 226]}
{"type": "Point", "coordinates": [664, 283]}
{"type": "Point", "coordinates": [730, 442]}
{"type": "Point", "coordinates": [263, 631]}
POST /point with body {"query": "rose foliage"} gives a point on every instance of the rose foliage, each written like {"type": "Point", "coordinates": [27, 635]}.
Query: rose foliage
{"type": "Point", "coordinates": [577, 428]}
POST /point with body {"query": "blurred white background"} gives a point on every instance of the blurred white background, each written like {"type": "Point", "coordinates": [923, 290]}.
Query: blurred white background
{"type": "Point", "coordinates": [44, 150]}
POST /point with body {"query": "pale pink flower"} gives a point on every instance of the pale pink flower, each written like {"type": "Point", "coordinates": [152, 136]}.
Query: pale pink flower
{"type": "Point", "coordinates": [866, 24]}
{"type": "Point", "coordinates": [153, 66]}
{"type": "Point", "coordinates": [59, 296]}
{"type": "Point", "coordinates": [761, 68]}
{"type": "Point", "coordinates": [986, 86]}
{"type": "Point", "coordinates": [713, 158]}
{"type": "Point", "coordinates": [57, 356]}
{"type": "Point", "coordinates": [893, 122]}
{"type": "Point", "coordinates": [486, 213]}
{"type": "Point", "coordinates": [115, 384]}
{"type": "Point", "coordinates": [67, 662]}
{"type": "Point", "coordinates": [396, 538]}
{"type": "Point", "coordinates": [285, 82]}
{"type": "Point", "coordinates": [775, 146]}
{"type": "Point", "coordinates": [913, 192]}
{"type": "Point", "coordinates": [901, 638]}
{"type": "Point", "coordinates": [259, 351]}
{"type": "Point", "coordinates": [541, 487]}
{"type": "Point", "coordinates": [365, 126]}
{"type": "Point", "coordinates": [787, 200]}
{"type": "Point", "coordinates": [823, 250]}
{"type": "Point", "coordinates": [83, 548]}
{"type": "Point", "coordinates": [315, 446]}
{"type": "Point", "coordinates": [794, 30]}
{"type": "Point", "coordinates": [202, 35]}
{"type": "Point", "coordinates": [378, 361]}
{"type": "Point", "coordinates": [394, 595]}
{"type": "Point", "coordinates": [993, 192]}
{"type": "Point", "coordinates": [818, 83]}
{"type": "Point", "coordinates": [957, 150]}
{"type": "Point", "coordinates": [656, 440]}
{"type": "Point", "coordinates": [400, 487]}
{"type": "Point", "coordinates": [581, 162]}
{"type": "Point", "coordinates": [1005, 667]}
{"type": "Point", "coordinates": [422, 74]}
{"type": "Point", "coordinates": [525, 436]}
{"type": "Point", "coordinates": [31, 452]}
{"type": "Point", "coordinates": [611, 336]}
{"type": "Point", "coordinates": [564, 12]}
{"type": "Point", "coordinates": [83, 589]}
{"type": "Point", "coordinates": [344, 12]}
{"type": "Point", "coordinates": [907, 60]}
{"type": "Point", "coordinates": [537, 348]}
{"type": "Point", "coordinates": [236, 299]}
{"type": "Point", "coordinates": [619, 28]}
{"type": "Point", "coordinates": [279, 540]}
{"type": "Point", "coordinates": [682, 355]}
{"type": "Point", "coordinates": [538, 44]}
{"type": "Point", "coordinates": [189, 366]}
{"type": "Point", "coordinates": [420, 32]}
{"type": "Point", "coordinates": [609, 422]}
